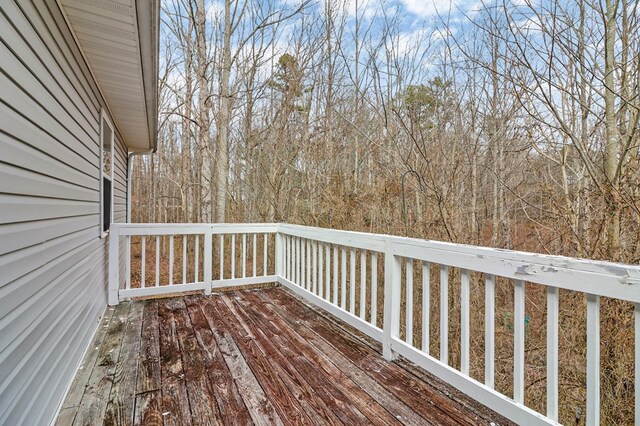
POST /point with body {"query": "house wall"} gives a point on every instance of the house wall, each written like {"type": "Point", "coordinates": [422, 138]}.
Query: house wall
{"type": "Point", "coordinates": [53, 264]}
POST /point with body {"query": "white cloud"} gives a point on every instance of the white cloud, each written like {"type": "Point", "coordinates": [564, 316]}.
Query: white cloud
{"type": "Point", "coordinates": [430, 8]}
{"type": "Point", "coordinates": [366, 9]}
{"type": "Point", "coordinates": [215, 10]}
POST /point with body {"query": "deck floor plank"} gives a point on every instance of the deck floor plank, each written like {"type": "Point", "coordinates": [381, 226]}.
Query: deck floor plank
{"type": "Point", "coordinates": [230, 402]}
{"type": "Point", "coordinates": [148, 409]}
{"type": "Point", "coordinates": [148, 374]}
{"type": "Point", "coordinates": [250, 357]}
{"type": "Point", "coordinates": [175, 400]}
{"type": "Point", "coordinates": [96, 394]}
{"type": "Point", "coordinates": [302, 379]}
{"type": "Point", "coordinates": [120, 406]}
{"type": "Point", "coordinates": [259, 405]}
{"type": "Point", "coordinates": [66, 416]}
{"type": "Point", "coordinates": [268, 373]}
{"type": "Point", "coordinates": [202, 400]}
{"type": "Point", "coordinates": [423, 398]}
{"type": "Point", "coordinates": [331, 359]}
{"type": "Point", "coordinates": [314, 365]}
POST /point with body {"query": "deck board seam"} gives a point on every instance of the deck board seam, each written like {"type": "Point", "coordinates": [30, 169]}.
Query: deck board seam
{"type": "Point", "coordinates": [120, 355]}
{"type": "Point", "coordinates": [181, 352]}
{"type": "Point", "coordinates": [190, 332]}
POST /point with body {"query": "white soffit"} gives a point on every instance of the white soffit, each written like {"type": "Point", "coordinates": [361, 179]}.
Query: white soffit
{"type": "Point", "coordinates": [108, 34]}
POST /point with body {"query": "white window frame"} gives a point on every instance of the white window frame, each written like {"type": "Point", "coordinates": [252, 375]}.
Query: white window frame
{"type": "Point", "coordinates": [104, 118]}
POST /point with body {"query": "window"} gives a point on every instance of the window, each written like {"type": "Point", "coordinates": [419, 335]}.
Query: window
{"type": "Point", "coordinates": [106, 174]}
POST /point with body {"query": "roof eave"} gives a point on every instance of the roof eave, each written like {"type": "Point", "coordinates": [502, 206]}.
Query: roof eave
{"type": "Point", "coordinates": [148, 16]}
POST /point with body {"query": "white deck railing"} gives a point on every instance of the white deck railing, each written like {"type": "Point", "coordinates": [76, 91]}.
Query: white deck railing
{"type": "Point", "coordinates": [360, 278]}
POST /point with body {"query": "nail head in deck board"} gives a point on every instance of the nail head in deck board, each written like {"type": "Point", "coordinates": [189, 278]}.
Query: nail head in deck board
{"type": "Point", "coordinates": [288, 409]}
{"type": "Point", "coordinates": [175, 402]}
{"type": "Point", "coordinates": [259, 406]}
{"type": "Point", "coordinates": [148, 378]}
{"type": "Point", "coordinates": [309, 380]}
{"type": "Point", "coordinates": [121, 398]}
{"type": "Point", "coordinates": [316, 369]}
{"type": "Point", "coordinates": [96, 395]}
{"type": "Point", "coordinates": [232, 407]}
{"type": "Point", "coordinates": [204, 409]}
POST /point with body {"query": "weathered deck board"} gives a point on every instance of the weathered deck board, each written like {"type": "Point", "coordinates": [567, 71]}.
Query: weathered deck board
{"type": "Point", "coordinates": [260, 407]}
{"type": "Point", "coordinates": [204, 408]}
{"type": "Point", "coordinates": [426, 400]}
{"type": "Point", "coordinates": [148, 378]}
{"type": "Point", "coordinates": [297, 377]}
{"type": "Point", "coordinates": [230, 402]}
{"type": "Point", "coordinates": [76, 391]}
{"type": "Point", "coordinates": [250, 357]}
{"type": "Point", "coordinates": [96, 394]}
{"type": "Point", "coordinates": [148, 411]}
{"type": "Point", "coordinates": [270, 375]}
{"type": "Point", "coordinates": [329, 382]}
{"type": "Point", "coordinates": [336, 365]}
{"type": "Point", "coordinates": [120, 406]}
{"type": "Point", "coordinates": [175, 400]}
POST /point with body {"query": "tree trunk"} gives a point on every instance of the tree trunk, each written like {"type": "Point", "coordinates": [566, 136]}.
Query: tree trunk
{"type": "Point", "coordinates": [612, 140]}
{"type": "Point", "coordinates": [224, 119]}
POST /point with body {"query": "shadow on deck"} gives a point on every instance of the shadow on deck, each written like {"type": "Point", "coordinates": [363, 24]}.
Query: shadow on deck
{"type": "Point", "coordinates": [250, 357]}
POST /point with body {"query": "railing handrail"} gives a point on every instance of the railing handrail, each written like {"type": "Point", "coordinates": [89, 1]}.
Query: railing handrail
{"type": "Point", "coordinates": [603, 278]}
{"type": "Point", "coordinates": [297, 244]}
{"type": "Point", "coordinates": [192, 228]}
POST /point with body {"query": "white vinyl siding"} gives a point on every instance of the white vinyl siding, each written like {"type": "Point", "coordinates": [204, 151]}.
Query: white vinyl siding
{"type": "Point", "coordinates": [53, 265]}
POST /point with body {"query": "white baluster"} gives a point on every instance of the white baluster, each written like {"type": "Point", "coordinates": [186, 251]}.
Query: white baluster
{"type": "Point", "coordinates": [464, 321]}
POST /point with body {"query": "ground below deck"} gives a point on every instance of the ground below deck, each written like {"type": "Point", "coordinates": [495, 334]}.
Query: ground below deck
{"type": "Point", "coordinates": [250, 357]}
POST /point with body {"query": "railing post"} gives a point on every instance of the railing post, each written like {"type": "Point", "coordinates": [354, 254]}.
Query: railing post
{"type": "Point", "coordinates": [208, 247]}
{"type": "Point", "coordinates": [278, 267]}
{"type": "Point", "coordinates": [114, 266]}
{"type": "Point", "coordinates": [391, 325]}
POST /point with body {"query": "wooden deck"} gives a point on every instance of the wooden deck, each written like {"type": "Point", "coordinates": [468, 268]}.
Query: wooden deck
{"type": "Point", "coordinates": [250, 357]}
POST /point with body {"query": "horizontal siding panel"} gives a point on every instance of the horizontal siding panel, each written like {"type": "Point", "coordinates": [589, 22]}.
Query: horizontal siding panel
{"type": "Point", "coordinates": [24, 156]}
{"type": "Point", "coordinates": [14, 327]}
{"type": "Point", "coordinates": [21, 100]}
{"type": "Point", "coordinates": [49, 330]}
{"type": "Point", "coordinates": [55, 382]}
{"type": "Point", "coordinates": [35, 184]}
{"type": "Point", "coordinates": [16, 208]}
{"type": "Point", "coordinates": [29, 260]}
{"type": "Point", "coordinates": [19, 127]}
{"type": "Point", "coordinates": [37, 78]}
{"type": "Point", "coordinates": [45, 27]}
{"type": "Point", "coordinates": [15, 236]}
